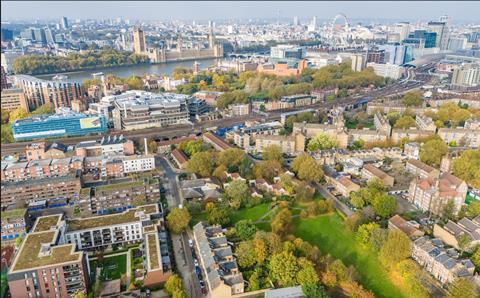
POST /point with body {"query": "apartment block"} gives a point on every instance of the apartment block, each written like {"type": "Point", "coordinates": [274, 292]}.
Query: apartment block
{"type": "Point", "coordinates": [310, 130]}
{"type": "Point", "coordinates": [12, 99]}
{"type": "Point", "coordinates": [366, 135]}
{"type": "Point", "coordinates": [370, 172]}
{"type": "Point", "coordinates": [218, 264]}
{"type": "Point", "coordinates": [41, 168]}
{"type": "Point", "coordinates": [117, 197]}
{"type": "Point", "coordinates": [291, 145]}
{"type": "Point", "coordinates": [442, 263]}
{"type": "Point", "coordinates": [121, 228]}
{"type": "Point", "coordinates": [382, 124]}
{"type": "Point", "coordinates": [179, 158]}
{"type": "Point", "coordinates": [138, 163]}
{"type": "Point", "coordinates": [24, 192]}
{"type": "Point", "coordinates": [433, 194]}
{"type": "Point", "coordinates": [216, 142]}
{"type": "Point", "coordinates": [391, 106]}
{"type": "Point", "coordinates": [410, 134]}
{"type": "Point", "coordinates": [41, 150]}
{"type": "Point", "coordinates": [111, 145]}
{"type": "Point", "coordinates": [14, 224]}
{"type": "Point", "coordinates": [460, 136]}
{"type": "Point", "coordinates": [452, 231]}
{"type": "Point", "coordinates": [45, 266]}
{"type": "Point", "coordinates": [420, 169]}
{"type": "Point", "coordinates": [412, 150]}
{"type": "Point", "coordinates": [425, 123]}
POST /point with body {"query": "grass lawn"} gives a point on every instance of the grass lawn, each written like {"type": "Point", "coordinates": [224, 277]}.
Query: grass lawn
{"type": "Point", "coordinates": [253, 213]}
{"type": "Point", "coordinates": [329, 234]}
{"type": "Point", "coordinates": [113, 267]}
{"type": "Point", "coordinates": [4, 284]}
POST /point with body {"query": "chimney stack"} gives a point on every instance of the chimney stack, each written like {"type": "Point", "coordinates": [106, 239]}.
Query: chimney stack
{"type": "Point", "coordinates": [146, 146]}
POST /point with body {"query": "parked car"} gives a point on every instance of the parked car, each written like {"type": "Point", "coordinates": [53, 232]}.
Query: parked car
{"type": "Point", "coordinates": [190, 242]}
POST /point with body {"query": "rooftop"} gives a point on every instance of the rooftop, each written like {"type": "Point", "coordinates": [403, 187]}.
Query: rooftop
{"type": "Point", "coordinates": [45, 223]}
{"type": "Point", "coordinates": [153, 249]}
{"type": "Point", "coordinates": [127, 216]}
{"type": "Point", "coordinates": [14, 213]}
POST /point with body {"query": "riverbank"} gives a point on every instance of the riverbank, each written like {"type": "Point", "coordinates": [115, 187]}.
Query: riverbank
{"type": "Point", "coordinates": [165, 68]}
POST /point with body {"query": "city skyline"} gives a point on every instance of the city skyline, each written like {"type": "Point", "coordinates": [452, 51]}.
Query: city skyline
{"type": "Point", "coordinates": [191, 10]}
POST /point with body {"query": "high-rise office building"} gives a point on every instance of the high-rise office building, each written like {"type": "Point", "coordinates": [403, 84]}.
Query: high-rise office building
{"type": "Point", "coordinates": [442, 34]}
{"type": "Point", "coordinates": [295, 21]}
{"type": "Point", "coordinates": [64, 23]}
{"type": "Point", "coordinates": [376, 56]}
{"type": "Point", "coordinates": [40, 36]}
{"type": "Point", "coordinates": [358, 62]}
{"type": "Point", "coordinates": [50, 39]}
{"type": "Point", "coordinates": [403, 29]}
{"type": "Point", "coordinates": [457, 43]}
{"type": "Point", "coordinates": [139, 43]}
{"type": "Point", "coordinates": [467, 75]}
{"type": "Point", "coordinates": [27, 34]}
{"type": "Point", "coordinates": [7, 35]}
{"type": "Point", "coordinates": [394, 54]}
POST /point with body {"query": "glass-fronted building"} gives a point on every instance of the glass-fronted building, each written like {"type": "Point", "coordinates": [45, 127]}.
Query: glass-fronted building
{"type": "Point", "coordinates": [64, 123]}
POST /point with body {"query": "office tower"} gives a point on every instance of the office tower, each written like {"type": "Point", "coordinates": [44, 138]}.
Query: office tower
{"type": "Point", "coordinates": [422, 39]}
{"type": "Point", "coordinates": [457, 43]}
{"type": "Point", "coordinates": [40, 36]}
{"type": "Point", "coordinates": [64, 23]}
{"type": "Point", "coordinates": [447, 20]}
{"type": "Point", "coordinates": [295, 21]}
{"type": "Point", "coordinates": [288, 52]}
{"type": "Point", "coordinates": [376, 56]}
{"type": "Point", "coordinates": [442, 34]}
{"type": "Point", "coordinates": [394, 54]}
{"type": "Point", "coordinates": [7, 35]}
{"type": "Point", "coordinates": [358, 62]}
{"type": "Point", "coordinates": [467, 75]}
{"type": "Point", "coordinates": [27, 34]}
{"type": "Point", "coordinates": [403, 29]}
{"type": "Point", "coordinates": [139, 43]}
{"type": "Point", "coordinates": [49, 36]}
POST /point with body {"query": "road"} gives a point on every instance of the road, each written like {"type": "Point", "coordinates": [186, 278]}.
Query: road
{"type": "Point", "coordinates": [186, 129]}
{"type": "Point", "coordinates": [338, 204]}
{"type": "Point", "coordinates": [183, 254]}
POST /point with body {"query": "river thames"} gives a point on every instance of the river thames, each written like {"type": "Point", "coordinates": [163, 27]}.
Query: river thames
{"type": "Point", "coordinates": [136, 70]}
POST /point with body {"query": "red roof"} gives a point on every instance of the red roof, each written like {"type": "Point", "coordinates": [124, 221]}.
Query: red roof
{"type": "Point", "coordinates": [217, 141]}
{"type": "Point", "coordinates": [179, 156]}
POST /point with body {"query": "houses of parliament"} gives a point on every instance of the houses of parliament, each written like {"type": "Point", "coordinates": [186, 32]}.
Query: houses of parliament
{"type": "Point", "coordinates": [157, 55]}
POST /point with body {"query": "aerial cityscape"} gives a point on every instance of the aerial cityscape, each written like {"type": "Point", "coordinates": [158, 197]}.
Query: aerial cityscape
{"type": "Point", "coordinates": [215, 149]}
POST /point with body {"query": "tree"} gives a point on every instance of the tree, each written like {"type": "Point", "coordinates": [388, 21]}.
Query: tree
{"type": "Point", "coordinates": [464, 242]}
{"type": "Point", "coordinates": [467, 167]}
{"type": "Point", "coordinates": [396, 248]}
{"type": "Point", "coordinates": [282, 224]}
{"type": "Point", "coordinates": [303, 192]}
{"type": "Point", "coordinates": [217, 215]}
{"type": "Point", "coordinates": [462, 288]}
{"type": "Point", "coordinates": [260, 246]}
{"type": "Point", "coordinates": [174, 283]}
{"type": "Point", "coordinates": [245, 167]}
{"type": "Point", "coordinates": [267, 169]}
{"type": "Point", "coordinates": [356, 200]}
{"type": "Point", "coordinates": [245, 229]}
{"type": "Point", "coordinates": [306, 276]}
{"type": "Point", "coordinates": [202, 163]}
{"type": "Point", "coordinates": [19, 240]}
{"type": "Point", "coordinates": [178, 219]}
{"type": "Point", "coordinates": [314, 291]}
{"type": "Point", "coordinates": [448, 210]}
{"type": "Point", "coordinates": [245, 252]}
{"type": "Point", "coordinates": [475, 258]}
{"type": "Point", "coordinates": [274, 153]}
{"type": "Point", "coordinates": [18, 114]}
{"type": "Point", "coordinates": [152, 146]}
{"type": "Point", "coordinates": [5, 114]}
{"type": "Point", "coordinates": [80, 294]}
{"type": "Point", "coordinates": [47, 108]}
{"type": "Point", "coordinates": [307, 168]}
{"type": "Point", "coordinates": [384, 205]}
{"type": "Point", "coordinates": [364, 233]}
{"type": "Point", "coordinates": [237, 190]}
{"type": "Point", "coordinates": [134, 83]}
{"type": "Point", "coordinates": [432, 152]}
{"type": "Point", "coordinates": [321, 142]}
{"type": "Point", "coordinates": [405, 122]}
{"type": "Point", "coordinates": [97, 288]}
{"type": "Point", "coordinates": [412, 98]}
{"type": "Point", "coordinates": [231, 157]}
{"type": "Point", "coordinates": [473, 209]}
{"type": "Point", "coordinates": [283, 269]}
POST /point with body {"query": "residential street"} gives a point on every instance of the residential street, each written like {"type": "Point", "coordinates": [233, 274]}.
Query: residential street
{"type": "Point", "coordinates": [183, 254]}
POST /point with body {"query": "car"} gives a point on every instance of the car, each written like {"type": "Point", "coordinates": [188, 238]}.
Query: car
{"type": "Point", "coordinates": [198, 271]}
{"type": "Point", "coordinates": [190, 242]}
{"type": "Point", "coordinates": [195, 262]}
{"type": "Point", "coordinates": [202, 284]}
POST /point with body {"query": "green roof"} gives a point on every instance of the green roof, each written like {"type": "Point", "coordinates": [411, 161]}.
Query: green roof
{"type": "Point", "coordinates": [109, 220]}
{"type": "Point", "coordinates": [28, 256]}
{"type": "Point", "coordinates": [14, 213]}
{"type": "Point", "coordinates": [152, 251]}
{"type": "Point", "coordinates": [44, 223]}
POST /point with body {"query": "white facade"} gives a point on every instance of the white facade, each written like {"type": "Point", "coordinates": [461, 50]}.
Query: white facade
{"type": "Point", "coordinates": [138, 163]}
{"type": "Point", "coordinates": [467, 75]}
{"type": "Point", "coordinates": [387, 70]}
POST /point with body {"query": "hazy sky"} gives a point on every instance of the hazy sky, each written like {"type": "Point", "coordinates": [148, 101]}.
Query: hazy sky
{"type": "Point", "coordinates": [202, 10]}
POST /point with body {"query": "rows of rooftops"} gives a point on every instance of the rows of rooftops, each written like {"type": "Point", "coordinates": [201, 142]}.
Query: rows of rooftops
{"type": "Point", "coordinates": [106, 140]}
{"type": "Point", "coordinates": [60, 114]}
{"type": "Point", "coordinates": [138, 99]}
{"type": "Point", "coordinates": [56, 79]}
